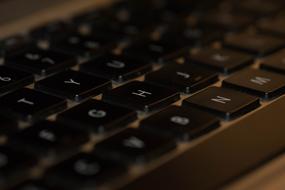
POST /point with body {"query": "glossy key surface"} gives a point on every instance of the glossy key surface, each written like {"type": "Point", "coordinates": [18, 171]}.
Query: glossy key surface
{"type": "Point", "coordinates": [117, 68]}
{"type": "Point", "coordinates": [257, 82]}
{"type": "Point", "coordinates": [183, 123]}
{"type": "Point", "coordinates": [27, 104]}
{"type": "Point", "coordinates": [223, 102]}
{"type": "Point", "coordinates": [97, 116]}
{"type": "Point", "coordinates": [141, 96]}
{"type": "Point", "coordinates": [223, 60]}
{"type": "Point", "coordinates": [73, 85]}
{"type": "Point", "coordinates": [134, 146]}
{"type": "Point", "coordinates": [13, 79]}
{"type": "Point", "coordinates": [42, 62]}
{"type": "Point", "coordinates": [187, 78]}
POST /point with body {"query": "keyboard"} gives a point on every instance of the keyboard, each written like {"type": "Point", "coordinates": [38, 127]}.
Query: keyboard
{"type": "Point", "coordinates": [144, 95]}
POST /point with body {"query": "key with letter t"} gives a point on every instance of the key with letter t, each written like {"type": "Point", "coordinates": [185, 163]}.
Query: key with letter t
{"type": "Point", "coordinates": [27, 104]}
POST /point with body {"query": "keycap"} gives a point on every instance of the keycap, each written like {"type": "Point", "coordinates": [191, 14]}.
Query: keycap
{"type": "Point", "coordinates": [84, 45]}
{"type": "Point", "coordinates": [14, 43]}
{"type": "Point", "coordinates": [190, 36]}
{"type": "Point", "coordinates": [272, 25]}
{"type": "Point", "coordinates": [42, 62]}
{"type": "Point", "coordinates": [225, 103]}
{"type": "Point", "coordinates": [187, 78]}
{"type": "Point", "coordinates": [259, 8]}
{"type": "Point", "coordinates": [49, 138]}
{"type": "Point", "coordinates": [51, 30]}
{"type": "Point", "coordinates": [8, 126]}
{"type": "Point", "coordinates": [258, 44]}
{"type": "Point", "coordinates": [180, 122]}
{"type": "Point", "coordinates": [13, 79]}
{"type": "Point", "coordinates": [134, 146]}
{"type": "Point", "coordinates": [26, 104]}
{"type": "Point", "coordinates": [257, 82]}
{"type": "Point", "coordinates": [73, 85]}
{"type": "Point", "coordinates": [83, 171]}
{"type": "Point", "coordinates": [141, 96]}
{"type": "Point", "coordinates": [14, 164]}
{"type": "Point", "coordinates": [228, 20]}
{"type": "Point", "coordinates": [274, 62]}
{"type": "Point", "coordinates": [154, 51]}
{"type": "Point", "coordinates": [117, 68]}
{"type": "Point", "coordinates": [34, 185]}
{"type": "Point", "coordinates": [98, 116]}
{"type": "Point", "coordinates": [220, 159]}
{"type": "Point", "coordinates": [223, 60]}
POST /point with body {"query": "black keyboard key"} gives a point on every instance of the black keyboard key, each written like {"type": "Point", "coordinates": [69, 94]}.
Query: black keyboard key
{"type": "Point", "coordinates": [223, 102]}
{"type": "Point", "coordinates": [8, 126]}
{"type": "Point", "coordinates": [73, 85]}
{"type": "Point", "coordinates": [275, 62]}
{"type": "Point", "coordinates": [12, 79]}
{"type": "Point", "coordinates": [242, 147]}
{"type": "Point", "coordinates": [258, 44]}
{"type": "Point", "coordinates": [27, 104]}
{"type": "Point", "coordinates": [260, 83]}
{"type": "Point", "coordinates": [85, 45]}
{"type": "Point", "coordinates": [187, 78]}
{"type": "Point", "coordinates": [14, 43]}
{"type": "Point", "coordinates": [258, 7]}
{"type": "Point", "coordinates": [49, 138]}
{"type": "Point", "coordinates": [226, 20]}
{"type": "Point", "coordinates": [154, 51]}
{"type": "Point", "coordinates": [141, 96]}
{"type": "Point", "coordinates": [189, 36]}
{"type": "Point", "coordinates": [117, 68]}
{"type": "Point", "coordinates": [97, 116]}
{"type": "Point", "coordinates": [34, 185]}
{"type": "Point", "coordinates": [14, 165]}
{"type": "Point", "coordinates": [83, 171]}
{"type": "Point", "coordinates": [180, 122]}
{"type": "Point", "coordinates": [134, 145]}
{"type": "Point", "coordinates": [51, 30]}
{"type": "Point", "coordinates": [272, 25]}
{"type": "Point", "coordinates": [42, 62]}
{"type": "Point", "coordinates": [223, 60]}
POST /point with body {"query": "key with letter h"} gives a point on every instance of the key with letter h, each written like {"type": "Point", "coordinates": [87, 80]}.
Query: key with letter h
{"type": "Point", "coordinates": [141, 96]}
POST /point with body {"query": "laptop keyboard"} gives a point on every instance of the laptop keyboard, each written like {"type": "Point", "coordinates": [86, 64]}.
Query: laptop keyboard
{"type": "Point", "coordinates": [87, 100]}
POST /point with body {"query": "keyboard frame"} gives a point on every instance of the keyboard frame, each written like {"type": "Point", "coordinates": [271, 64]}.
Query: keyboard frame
{"type": "Point", "coordinates": [269, 176]}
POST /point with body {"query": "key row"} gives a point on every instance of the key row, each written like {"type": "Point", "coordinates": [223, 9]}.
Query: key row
{"type": "Point", "coordinates": [160, 90]}
{"type": "Point", "coordinates": [121, 68]}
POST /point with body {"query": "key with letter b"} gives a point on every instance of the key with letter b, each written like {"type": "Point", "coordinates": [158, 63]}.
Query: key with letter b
{"type": "Point", "coordinates": [180, 122]}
